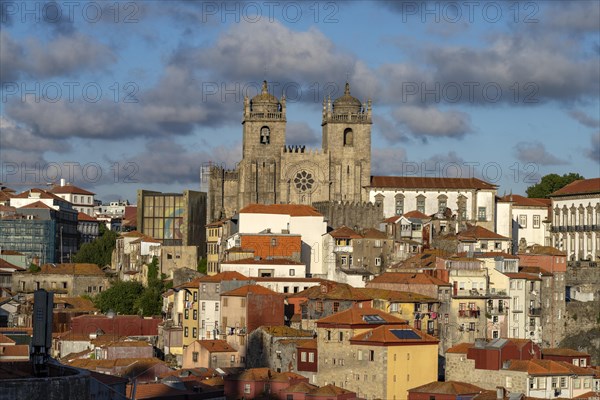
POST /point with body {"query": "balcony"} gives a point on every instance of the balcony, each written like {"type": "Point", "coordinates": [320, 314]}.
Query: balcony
{"type": "Point", "coordinates": [342, 249]}
{"type": "Point", "coordinates": [535, 311]}
{"type": "Point", "coordinates": [468, 313]}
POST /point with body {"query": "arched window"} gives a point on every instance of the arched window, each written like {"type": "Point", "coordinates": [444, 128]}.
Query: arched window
{"type": "Point", "coordinates": [348, 137]}
{"type": "Point", "coordinates": [265, 135]}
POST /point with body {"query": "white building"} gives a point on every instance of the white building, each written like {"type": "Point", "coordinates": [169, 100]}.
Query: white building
{"type": "Point", "coordinates": [270, 267]}
{"type": "Point", "coordinates": [576, 220]}
{"type": "Point", "coordinates": [523, 220]}
{"type": "Point", "coordinates": [289, 218]}
{"type": "Point", "coordinates": [471, 200]}
{"type": "Point", "coordinates": [82, 200]}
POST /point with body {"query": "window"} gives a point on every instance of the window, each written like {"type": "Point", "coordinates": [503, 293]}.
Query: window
{"type": "Point", "coordinates": [536, 221]}
{"type": "Point", "coordinates": [265, 135]}
{"type": "Point", "coordinates": [195, 356]}
{"type": "Point", "coordinates": [292, 272]}
{"type": "Point", "coordinates": [554, 382]}
{"type": "Point", "coordinates": [360, 357]}
{"type": "Point", "coordinates": [319, 307]}
{"type": "Point", "coordinates": [243, 302]}
{"type": "Point", "coordinates": [328, 335]}
{"type": "Point", "coordinates": [195, 295]}
{"type": "Point", "coordinates": [186, 313]}
{"type": "Point", "coordinates": [203, 306]}
{"type": "Point", "coordinates": [341, 336]}
{"type": "Point", "coordinates": [481, 214]}
{"type": "Point", "coordinates": [194, 332]}
{"type": "Point", "coordinates": [495, 334]}
{"type": "Point", "coordinates": [523, 221]}
{"type": "Point", "coordinates": [399, 204]}
{"type": "Point", "coordinates": [576, 383]}
{"type": "Point", "coordinates": [344, 260]}
{"type": "Point", "coordinates": [311, 357]}
{"type": "Point", "coordinates": [195, 314]}
{"type": "Point", "coordinates": [303, 356]}
{"type": "Point", "coordinates": [421, 203]}
{"type": "Point", "coordinates": [273, 242]}
{"type": "Point", "coordinates": [442, 203]}
{"type": "Point", "coordinates": [204, 288]}
{"type": "Point", "coordinates": [371, 355]}
{"type": "Point", "coordinates": [186, 331]}
{"type": "Point", "coordinates": [247, 388]}
{"type": "Point", "coordinates": [217, 306]}
{"type": "Point", "coordinates": [563, 382]}
{"type": "Point", "coordinates": [217, 288]}
{"type": "Point", "coordinates": [224, 301]}
{"type": "Point", "coordinates": [377, 261]}
{"type": "Point", "coordinates": [336, 306]}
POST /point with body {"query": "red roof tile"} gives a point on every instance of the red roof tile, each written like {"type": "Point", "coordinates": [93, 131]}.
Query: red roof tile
{"type": "Point", "coordinates": [408, 278]}
{"type": "Point", "coordinates": [5, 340]}
{"type": "Point", "coordinates": [264, 261]}
{"type": "Point", "coordinates": [343, 232]}
{"type": "Point", "coordinates": [543, 250]}
{"type": "Point", "coordinates": [71, 269]}
{"type": "Point", "coordinates": [522, 201]}
{"type": "Point", "coordinates": [15, 350]}
{"type": "Point", "coordinates": [563, 352]}
{"type": "Point", "coordinates": [294, 210]}
{"type": "Point", "coordinates": [84, 217]}
{"type": "Point", "coordinates": [71, 189]}
{"type": "Point", "coordinates": [216, 346]}
{"type": "Point", "coordinates": [355, 316]}
{"type": "Point", "coordinates": [479, 232]}
{"type": "Point", "coordinates": [373, 233]}
{"type": "Point", "coordinates": [417, 182]}
{"type": "Point", "coordinates": [37, 204]}
{"type": "Point", "coordinates": [386, 334]}
{"type": "Point", "coordinates": [415, 214]}
{"type": "Point", "coordinates": [581, 186]}
{"type": "Point", "coordinates": [448, 387]}
{"type": "Point", "coordinates": [224, 276]}
{"type": "Point", "coordinates": [461, 348]}
{"type": "Point", "coordinates": [329, 390]}
{"type": "Point", "coordinates": [245, 290]}
{"type": "Point", "coordinates": [6, 265]}
{"type": "Point", "coordinates": [547, 367]}
{"type": "Point", "coordinates": [43, 194]}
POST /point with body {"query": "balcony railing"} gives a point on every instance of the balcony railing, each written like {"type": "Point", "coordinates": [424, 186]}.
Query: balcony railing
{"type": "Point", "coordinates": [535, 311]}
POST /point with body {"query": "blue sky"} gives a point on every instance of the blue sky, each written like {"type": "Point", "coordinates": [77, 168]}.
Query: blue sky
{"type": "Point", "coordinates": [118, 96]}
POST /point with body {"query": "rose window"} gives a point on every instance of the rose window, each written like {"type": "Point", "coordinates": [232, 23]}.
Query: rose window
{"type": "Point", "coordinates": [304, 181]}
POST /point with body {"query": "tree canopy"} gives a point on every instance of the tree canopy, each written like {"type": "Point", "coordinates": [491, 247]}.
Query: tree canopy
{"type": "Point", "coordinates": [551, 183]}
{"type": "Point", "coordinates": [122, 297]}
{"type": "Point", "coordinates": [100, 250]}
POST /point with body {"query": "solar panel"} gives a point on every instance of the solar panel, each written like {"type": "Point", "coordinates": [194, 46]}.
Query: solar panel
{"type": "Point", "coordinates": [405, 334]}
{"type": "Point", "coordinates": [373, 319]}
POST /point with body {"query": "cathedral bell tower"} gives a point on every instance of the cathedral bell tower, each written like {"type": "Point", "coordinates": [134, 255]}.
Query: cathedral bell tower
{"type": "Point", "coordinates": [347, 138]}
{"type": "Point", "coordinates": [263, 140]}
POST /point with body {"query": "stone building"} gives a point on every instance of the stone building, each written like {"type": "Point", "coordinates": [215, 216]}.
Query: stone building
{"type": "Point", "coordinates": [275, 347]}
{"type": "Point", "coordinates": [272, 172]}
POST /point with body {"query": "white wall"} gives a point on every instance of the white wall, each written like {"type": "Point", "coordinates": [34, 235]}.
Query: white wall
{"type": "Point", "coordinates": [279, 270]}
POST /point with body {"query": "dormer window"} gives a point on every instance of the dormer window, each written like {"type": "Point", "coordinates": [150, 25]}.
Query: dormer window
{"type": "Point", "coordinates": [265, 135]}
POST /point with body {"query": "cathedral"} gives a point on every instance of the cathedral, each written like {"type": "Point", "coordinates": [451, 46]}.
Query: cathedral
{"type": "Point", "coordinates": [272, 172]}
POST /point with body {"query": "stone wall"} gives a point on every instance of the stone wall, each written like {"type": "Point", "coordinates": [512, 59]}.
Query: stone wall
{"type": "Point", "coordinates": [355, 215]}
{"type": "Point", "coordinates": [460, 368]}
{"type": "Point", "coordinates": [582, 328]}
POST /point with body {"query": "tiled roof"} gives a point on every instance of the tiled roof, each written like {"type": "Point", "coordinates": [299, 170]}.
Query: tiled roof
{"type": "Point", "coordinates": [534, 270]}
{"type": "Point", "coordinates": [477, 232]}
{"type": "Point", "coordinates": [245, 290]}
{"type": "Point", "coordinates": [417, 182]}
{"type": "Point", "coordinates": [264, 261]}
{"type": "Point", "coordinates": [216, 346]}
{"type": "Point", "coordinates": [71, 269]}
{"type": "Point", "coordinates": [285, 331]}
{"type": "Point", "coordinates": [332, 291]}
{"type": "Point", "coordinates": [373, 233]}
{"type": "Point", "coordinates": [72, 189]}
{"type": "Point", "coordinates": [294, 210]}
{"type": "Point", "coordinates": [329, 390]}
{"type": "Point", "coordinates": [588, 396]}
{"type": "Point", "coordinates": [91, 364]}
{"type": "Point", "coordinates": [415, 214]}
{"type": "Point", "coordinates": [387, 335]}
{"type": "Point", "coordinates": [355, 316]}
{"type": "Point", "coordinates": [392, 220]}
{"type": "Point", "coordinates": [6, 265]}
{"type": "Point", "coordinates": [128, 343]}
{"type": "Point", "coordinates": [520, 275]}
{"type": "Point", "coordinates": [563, 352]}
{"type": "Point", "coordinates": [307, 344]}
{"type": "Point", "coordinates": [582, 186]}
{"type": "Point", "coordinates": [132, 234]}
{"type": "Point", "coordinates": [396, 296]}
{"type": "Point", "coordinates": [409, 278]}
{"type": "Point", "coordinates": [78, 303]}
{"type": "Point", "coordinates": [43, 194]}
{"type": "Point", "coordinates": [157, 391]}
{"type": "Point", "coordinates": [460, 348]}
{"type": "Point", "coordinates": [519, 200]}
{"type": "Point", "coordinates": [84, 217]}
{"type": "Point", "coordinates": [488, 254]}
{"type": "Point", "coordinates": [547, 367]}
{"type": "Point", "coordinates": [343, 232]}
{"type": "Point", "coordinates": [265, 374]}
{"type": "Point", "coordinates": [5, 339]}
{"type": "Point", "coordinates": [108, 379]}
{"type": "Point", "coordinates": [448, 387]}
{"type": "Point", "coordinates": [224, 276]}
{"type": "Point", "coordinates": [301, 387]}
{"type": "Point", "coordinates": [544, 250]}
{"type": "Point", "coordinates": [15, 350]}
{"type": "Point", "coordinates": [36, 205]}
{"type": "Point", "coordinates": [11, 252]}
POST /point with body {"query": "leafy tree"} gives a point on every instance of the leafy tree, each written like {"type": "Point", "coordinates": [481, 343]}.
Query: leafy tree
{"type": "Point", "coordinates": [202, 266]}
{"type": "Point", "coordinates": [551, 183]}
{"type": "Point", "coordinates": [100, 250]}
{"type": "Point", "coordinates": [122, 298]}
{"type": "Point", "coordinates": [34, 268]}
{"type": "Point", "coordinates": [150, 302]}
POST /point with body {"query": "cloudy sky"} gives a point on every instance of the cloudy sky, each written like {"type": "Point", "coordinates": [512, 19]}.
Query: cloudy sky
{"type": "Point", "coordinates": [118, 96]}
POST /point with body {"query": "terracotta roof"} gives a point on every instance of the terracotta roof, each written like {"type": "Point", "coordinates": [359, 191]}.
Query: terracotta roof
{"type": "Point", "coordinates": [265, 374]}
{"type": "Point", "coordinates": [355, 316]}
{"type": "Point", "coordinates": [6, 340]}
{"type": "Point", "coordinates": [285, 331]}
{"type": "Point", "coordinates": [581, 186]}
{"type": "Point", "coordinates": [79, 303]}
{"type": "Point", "coordinates": [11, 252]}
{"type": "Point", "coordinates": [301, 387]}
{"type": "Point", "coordinates": [373, 233]}
{"type": "Point", "coordinates": [44, 194]}
{"type": "Point", "coordinates": [216, 346]}
{"type": "Point", "coordinates": [544, 250]}
{"type": "Point", "coordinates": [157, 391]}
{"type": "Point", "coordinates": [332, 291]}
{"type": "Point", "coordinates": [408, 278]}
{"type": "Point", "coordinates": [108, 379]}
{"type": "Point", "coordinates": [563, 352]}
{"type": "Point", "coordinates": [264, 261]}
{"type": "Point", "coordinates": [448, 387]}
{"type": "Point", "coordinates": [343, 232]}
{"type": "Point", "coordinates": [7, 265]}
{"type": "Point", "coordinates": [415, 214]}
{"type": "Point", "coordinates": [72, 189]}
{"type": "Point", "coordinates": [15, 350]}
{"type": "Point", "coordinates": [130, 216]}
{"type": "Point", "coordinates": [92, 364]}
{"type": "Point", "coordinates": [392, 220]}
{"type": "Point", "coordinates": [388, 335]}
{"type": "Point", "coordinates": [329, 390]}
{"type": "Point", "coordinates": [245, 290]}
{"type": "Point", "coordinates": [36, 205]}
{"type": "Point", "coordinates": [71, 269]}
{"type": "Point", "coordinates": [294, 210]}
{"type": "Point", "coordinates": [84, 217]}
{"type": "Point", "coordinates": [588, 396]}
{"type": "Point", "coordinates": [460, 348]}
{"type": "Point", "coordinates": [224, 276]}
{"type": "Point", "coordinates": [132, 234]}
{"type": "Point", "coordinates": [522, 201]}
{"type": "Point", "coordinates": [307, 344]}
{"type": "Point", "coordinates": [418, 182]}
{"type": "Point", "coordinates": [547, 367]}
{"type": "Point", "coordinates": [477, 232]}
{"type": "Point", "coordinates": [534, 270]}
{"type": "Point", "coordinates": [128, 343]}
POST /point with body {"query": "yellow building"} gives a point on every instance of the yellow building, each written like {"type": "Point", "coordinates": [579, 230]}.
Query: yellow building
{"type": "Point", "coordinates": [188, 294]}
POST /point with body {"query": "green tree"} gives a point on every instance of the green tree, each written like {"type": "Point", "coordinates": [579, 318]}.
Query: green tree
{"type": "Point", "coordinates": [551, 183]}
{"type": "Point", "coordinates": [100, 250]}
{"type": "Point", "coordinates": [202, 266]}
{"type": "Point", "coordinates": [122, 298]}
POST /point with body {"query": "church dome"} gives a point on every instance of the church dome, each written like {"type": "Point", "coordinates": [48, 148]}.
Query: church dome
{"type": "Point", "coordinates": [265, 101]}
{"type": "Point", "coordinates": [346, 103]}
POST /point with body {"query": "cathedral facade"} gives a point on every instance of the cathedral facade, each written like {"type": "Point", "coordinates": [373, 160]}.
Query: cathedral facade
{"type": "Point", "coordinates": [272, 172]}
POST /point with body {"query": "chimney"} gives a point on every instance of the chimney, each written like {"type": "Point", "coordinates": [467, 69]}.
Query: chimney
{"type": "Point", "coordinates": [499, 393]}
{"type": "Point", "coordinates": [62, 182]}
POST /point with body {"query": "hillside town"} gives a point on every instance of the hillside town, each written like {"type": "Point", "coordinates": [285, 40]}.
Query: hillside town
{"type": "Point", "coordinates": [300, 275]}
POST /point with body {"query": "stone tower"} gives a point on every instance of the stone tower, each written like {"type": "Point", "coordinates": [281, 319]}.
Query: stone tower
{"type": "Point", "coordinates": [347, 138]}
{"type": "Point", "coordinates": [263, 138]}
